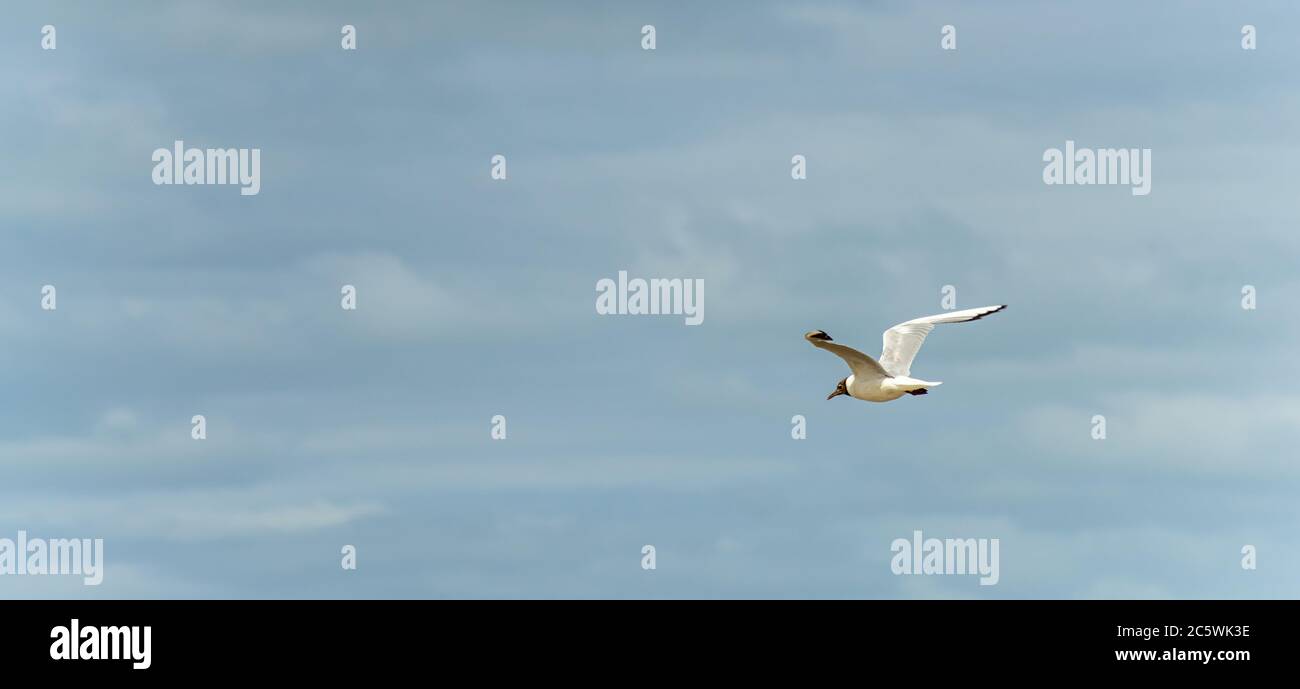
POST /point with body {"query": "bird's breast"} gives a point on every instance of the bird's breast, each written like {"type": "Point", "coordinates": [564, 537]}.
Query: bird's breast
{"type": "Point", "coordinates": [873, 390]}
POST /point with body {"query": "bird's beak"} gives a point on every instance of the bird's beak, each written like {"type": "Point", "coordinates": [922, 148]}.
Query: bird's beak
{"type": "Point", "coordinates": [833, 394]}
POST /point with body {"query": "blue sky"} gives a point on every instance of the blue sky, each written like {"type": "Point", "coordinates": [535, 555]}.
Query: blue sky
{"type": "Point", "coordinates": [477, 298]}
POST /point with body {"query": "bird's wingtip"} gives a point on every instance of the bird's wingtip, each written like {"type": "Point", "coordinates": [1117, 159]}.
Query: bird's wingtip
{"type": "Point", "coordinates": [817, 335]}
{"type": "Point", "coordinates": [991, 310]}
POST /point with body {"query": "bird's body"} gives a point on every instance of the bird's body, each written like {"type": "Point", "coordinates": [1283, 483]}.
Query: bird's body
{"type": "Point", "coordinates": [891, 377]}
{"type": "Point", "coordinates": [878, 389]}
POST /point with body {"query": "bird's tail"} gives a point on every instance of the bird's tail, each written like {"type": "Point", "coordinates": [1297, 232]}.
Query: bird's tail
{"type": "Point", "coordinates": [907, 383]}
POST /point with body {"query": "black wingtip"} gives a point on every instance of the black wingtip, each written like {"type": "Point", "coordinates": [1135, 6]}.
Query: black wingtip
{"type": "Point", "coordinates": [1000, 307]}
{"type": "Point", "coordinates": [819, 335]}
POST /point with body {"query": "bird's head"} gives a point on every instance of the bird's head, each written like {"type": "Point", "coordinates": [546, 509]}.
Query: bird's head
{"type": "Point", "coordinates": [842, 388]}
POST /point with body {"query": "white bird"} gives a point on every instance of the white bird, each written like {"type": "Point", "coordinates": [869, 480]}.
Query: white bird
{"type": "Point", "coordinates": [891, 377]}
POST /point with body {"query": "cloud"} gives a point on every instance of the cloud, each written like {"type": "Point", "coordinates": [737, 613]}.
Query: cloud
{"type": "Point", "coordinates": [1196, 433]}
{"type": "Point", "coordinates": [476, 298]}
{"type": "Point", "coordinates": [190, 515]}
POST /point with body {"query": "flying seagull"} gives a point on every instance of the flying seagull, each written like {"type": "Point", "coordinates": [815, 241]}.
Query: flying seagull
{"type": "Point", "coordinates": [891, 377]}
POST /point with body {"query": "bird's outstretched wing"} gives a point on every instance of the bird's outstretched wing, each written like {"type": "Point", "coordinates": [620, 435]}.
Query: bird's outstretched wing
{"type": "Point", "coordinates": [904, 340]}
{"type": "Point", "coordinates": [862, 365]}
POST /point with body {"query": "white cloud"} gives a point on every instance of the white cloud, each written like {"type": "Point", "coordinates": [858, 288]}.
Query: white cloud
{"type": "Point", "coordinates": [1247, 434]}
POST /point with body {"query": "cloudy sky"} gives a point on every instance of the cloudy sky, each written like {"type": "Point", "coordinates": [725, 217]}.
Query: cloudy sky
{"type": "Point", "coordinates": [476, 298]}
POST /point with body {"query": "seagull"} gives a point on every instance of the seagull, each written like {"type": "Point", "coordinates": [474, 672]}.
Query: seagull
{"type": "Point", "coordinates": [891, 377]}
